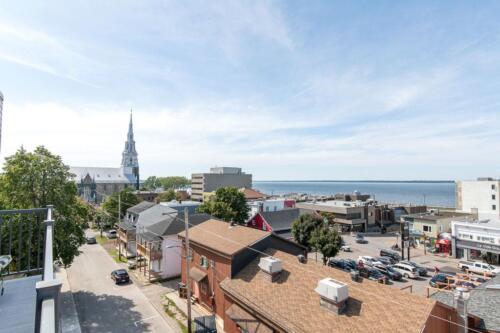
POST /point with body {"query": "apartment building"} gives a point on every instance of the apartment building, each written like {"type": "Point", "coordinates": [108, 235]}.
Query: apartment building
{"type": "Point", "coordinates": [480, 197]}
{"type": "Point", "coordinates": [203, 183]}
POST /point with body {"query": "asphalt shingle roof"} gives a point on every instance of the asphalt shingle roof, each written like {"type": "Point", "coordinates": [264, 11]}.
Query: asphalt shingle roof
{"type": "Point", "coordinates": [281, 219]}
{"type": "Point", "coordinates": [140, 207]}
{"type": "Point", "coordinates": [292, 304]}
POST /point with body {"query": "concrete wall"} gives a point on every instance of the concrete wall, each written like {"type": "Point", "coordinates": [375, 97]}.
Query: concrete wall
{"type": "Point", "coordinates": [481, 195]}
{"type": "Point", "coordinates": [209, 182]}
{"type": "Point", "coordinates": [171, 257]}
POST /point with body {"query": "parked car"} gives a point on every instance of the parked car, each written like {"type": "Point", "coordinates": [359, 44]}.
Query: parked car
{"type": "Point", "coordinates": [368, 261]}
{"type": "Point", "coordinates": [360, 239]}
{"type": "Point", "coordinates": [111, 234]}
{"type": "Point", "coordinates": [91, 240]}
{"type": "Point", "coordinates": [479, 267]}
{"type": "Point", "coordinates": [390, 253]}
{"type": "Point", "coordinates": [407, 271]}
{"type": "Point", "coordinates": [345, 248]}
{"type": "Point", "coordinates": [421, 270]}
{"type": "Point", "coordinates": [373, 274]}
{"type": "Point", "coordinates": [343, 264]}
{"type": "Point", "coordinates": [120, 276]}
{"type": "Point", "coordinates": [441, 280]}
{"type": "Point", "coordinates": [137, 262]}
{"type": "Point", "coordinates": [386, 260]}
{"type": "Point", "coordinates": [390, 272]}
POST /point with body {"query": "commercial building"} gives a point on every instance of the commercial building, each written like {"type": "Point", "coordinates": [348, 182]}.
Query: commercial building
{"type": "Point", "coordinates": [203, 183]}
{"type": "Point", "coordinates": [434, 222]}
{"type": "Point", "coordinates": [480, 197]}
{"type": "Point", "coordinates": [479, 239]}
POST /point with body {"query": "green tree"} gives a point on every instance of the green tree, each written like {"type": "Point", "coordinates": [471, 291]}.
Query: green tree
{"type": "Point", "coordinates": [303, 227]}
{"type": "Point", "coordinates": [228, 204]}
{"type": "Point", "coordinates": [173, 182]}
{"type": "Point", "coordinates": [326, 241]}
{"type": "Point", "coordinates": [152, 183]}
{"type": "Point", "coordinates": [168, 195]}
{"type": "Point", "coordinates": [127, 200]}
{"type": "Point", "coordinates": [37, 179]}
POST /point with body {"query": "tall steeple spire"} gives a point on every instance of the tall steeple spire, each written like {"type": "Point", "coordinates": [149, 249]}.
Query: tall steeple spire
{"type": "Point", "coordinates": [129, 155]}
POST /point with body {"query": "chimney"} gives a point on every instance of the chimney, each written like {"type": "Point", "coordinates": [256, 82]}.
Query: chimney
{"type": "Point", "coordinates": [333, 295]}
{"type": "Point", "coordinates": [272, 268]}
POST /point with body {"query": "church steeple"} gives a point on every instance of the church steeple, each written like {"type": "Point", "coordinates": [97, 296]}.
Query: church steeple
{"type": "Point", "coordinates": [130, 163]}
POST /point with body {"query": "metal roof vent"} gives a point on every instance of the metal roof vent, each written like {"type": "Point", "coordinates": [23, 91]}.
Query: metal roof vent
{"type": "Point", "coordinates": [272, 267]}
{"type": "Point", "coordinates": [333, 295]}
{"type": "Point", "coordinates": [302, 258]}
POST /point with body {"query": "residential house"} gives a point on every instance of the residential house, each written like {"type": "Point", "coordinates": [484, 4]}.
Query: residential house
{"type": "Point", "coordinates": [157, 241]}
{"type": "Point", "coordinates": [179, 206]}
{"type": "Point", "coordinates": [275, 292]}
{"type": "Point", "coordinates": [126, 229]}
{"type": "Point", "coordinates": [219, 250]}
{"type": "Point", "coordinates": [147, 195]}
{"type": "Point", "coordinates": [252, 195]}
{"type": "Point", "coordinates": [279, 222]}
{"type": "Point", "coordinates": [270, 205]}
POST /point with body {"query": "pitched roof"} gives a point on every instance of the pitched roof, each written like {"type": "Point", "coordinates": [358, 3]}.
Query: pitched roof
{"type": "Point", "coordinates": [102, 175]}
{"type": "Point", "coordinates": [483, 303]}
{"type": "Point", "coordinates": [220, 236]}
{"type": "Point", "coordinates": [140, 207]}
{"type": "Point", "coordinates": [292, 304]}
{"type": "Point", "coordinates": [251, 194]}
{"type": "Point", "coordinates": [281, 219]}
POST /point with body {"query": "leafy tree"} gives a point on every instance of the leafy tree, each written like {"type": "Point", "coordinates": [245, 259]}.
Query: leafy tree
{"type": "Point", "coordinates": [228, 204]}
{"type": "Point", "coordinates": [127, 200]}
{"type": "Point", "coordinates": [173, 182]}
{"type": "Point", "coordinates": [168, 195]}
{"type": "Point", "coordinates": [37, 179]}
{"type": "Point", "coordinates": [152, 183]}
{"type": "Point", "coordinates": [303, 227]}
{"type": "Point", "coordinates": [326, 241]}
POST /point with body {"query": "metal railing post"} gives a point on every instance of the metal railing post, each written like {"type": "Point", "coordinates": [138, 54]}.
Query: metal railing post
{"type": "Point", "coordinates": [48, 290]}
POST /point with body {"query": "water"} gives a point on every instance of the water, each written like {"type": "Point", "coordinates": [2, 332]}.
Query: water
{"type": "Point", "coordinates": [430, 193]}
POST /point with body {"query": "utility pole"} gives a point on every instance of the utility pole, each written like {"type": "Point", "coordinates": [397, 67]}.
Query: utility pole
{"type": "Point", "coordinates": [188, 280]}
{"type": "Point", "coordinates": [119, 207]}
{"type": "Point", "coordinates": [119, 213]}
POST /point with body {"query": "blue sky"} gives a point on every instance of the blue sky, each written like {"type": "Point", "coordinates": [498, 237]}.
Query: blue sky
{"type": "Point", "coordinates": [284, 89]}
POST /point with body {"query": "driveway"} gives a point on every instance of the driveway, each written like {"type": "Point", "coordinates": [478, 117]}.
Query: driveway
{"type": "Point", "coordinates": [105, 307]}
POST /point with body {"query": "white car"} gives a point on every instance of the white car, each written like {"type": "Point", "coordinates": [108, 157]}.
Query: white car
{"type": "Point", "coordinates": [406, 270]}
{"type": "Point", "coordinates": [368, 261]}
{"type": "Point", "coordinates": [345, 248]}
{"type": "Point", "coordinates": [111, 234]}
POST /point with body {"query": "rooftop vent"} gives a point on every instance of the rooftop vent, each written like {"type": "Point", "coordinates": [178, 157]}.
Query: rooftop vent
{"type": "Point", "coordinates": [302, 259]}
{"type": "Point", "coordinates": [272, 267]}
{"type": "Point", "coordinates": [333, 295]}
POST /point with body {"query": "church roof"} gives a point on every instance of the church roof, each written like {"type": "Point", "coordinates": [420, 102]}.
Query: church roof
{"type": "Point", "coordinates": [102, 175]}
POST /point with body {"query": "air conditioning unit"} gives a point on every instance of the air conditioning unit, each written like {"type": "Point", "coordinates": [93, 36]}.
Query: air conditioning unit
{"type": "Point", "coordinates": [271, 265]}
{"type": "Point", "coordinates": [332, 290]}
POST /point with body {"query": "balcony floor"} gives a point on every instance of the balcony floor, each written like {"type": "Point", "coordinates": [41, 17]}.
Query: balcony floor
{"type": "Point", "coordinates": [17, 305]}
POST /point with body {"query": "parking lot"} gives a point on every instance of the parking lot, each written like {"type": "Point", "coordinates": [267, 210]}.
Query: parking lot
{"type": "Point", "coordinates": [377, 242]}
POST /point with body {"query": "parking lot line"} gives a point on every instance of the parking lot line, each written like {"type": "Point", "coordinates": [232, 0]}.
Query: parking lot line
{"type": "Point", "coordinates": [143, 320]}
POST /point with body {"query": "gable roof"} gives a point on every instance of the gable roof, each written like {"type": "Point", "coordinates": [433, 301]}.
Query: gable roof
{"type": "Point", "coordinates": [102, 175]}
{"type": "Point", "coordinates": [292, 304]}
{"type": "Point", "coordinates": [483, 303]}
{"type": "Point", "coordinates": [140, 207]}
{"type": "Point", "coordinates": [281, 220]}
{"type": "Point", "coordinates": [221, 237]}
{"type": "Point", "coordinates": [251, 194]}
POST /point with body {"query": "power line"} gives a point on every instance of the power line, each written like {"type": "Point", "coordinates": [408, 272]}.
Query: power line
{"type": "Point", "coordinates": [311, 271]}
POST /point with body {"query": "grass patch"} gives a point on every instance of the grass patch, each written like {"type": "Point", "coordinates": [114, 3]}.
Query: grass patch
{"type": "Point", "coordinates": [173, 311]}
{"type": "Point", "coordinates": [101, 240]}
{"type": "Point", "coordinates": [108, 245]}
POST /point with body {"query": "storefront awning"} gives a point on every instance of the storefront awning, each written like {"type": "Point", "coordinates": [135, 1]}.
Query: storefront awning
{"type": "Point", "coordinates": [197, 274]}
{"type": "Point", "coordinates": [246, 321]}
{"type": "Point", "coordinates": [443, 241]}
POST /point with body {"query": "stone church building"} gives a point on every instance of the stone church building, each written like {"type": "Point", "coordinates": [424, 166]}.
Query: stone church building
{"type": "Point", "coordinates": [95, 183]}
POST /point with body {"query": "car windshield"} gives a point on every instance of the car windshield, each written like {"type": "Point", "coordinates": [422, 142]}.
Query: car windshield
{"type": "Point", "coordinates": [121, 272]}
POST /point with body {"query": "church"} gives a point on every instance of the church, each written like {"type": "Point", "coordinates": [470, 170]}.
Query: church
{"type": "Point", "coordinates": [95, 183]}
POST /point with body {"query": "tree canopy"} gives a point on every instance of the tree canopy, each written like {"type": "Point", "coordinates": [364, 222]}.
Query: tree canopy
{"type": "Point", "coordinates": [326, 241]}
{"type": "Point", "coordinates": [228, 204]}
{"type": "Point", "coordinates": [127, 200]}
{"type": "Point", "coordinates": [303, 227]}
{"type": "Point", "coordinates": [172, 182]}
{"type": "Point", "coordinates": [168, 195]}
{"type": "Point", "coordinates": [37, 179]}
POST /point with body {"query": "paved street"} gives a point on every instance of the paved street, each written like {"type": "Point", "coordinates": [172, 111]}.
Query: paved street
{"type": "Point", "coordinates": [103, 306]}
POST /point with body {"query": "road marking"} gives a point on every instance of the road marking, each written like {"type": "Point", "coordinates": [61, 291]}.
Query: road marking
{"type": "Point", "coordinates": [142, 320]}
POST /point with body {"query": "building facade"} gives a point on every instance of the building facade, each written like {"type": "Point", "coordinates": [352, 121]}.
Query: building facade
{"type": "Point", "coordinates": [480, 197]}
{"type": "Point", "coordinates": [95, 183]}
{"type": "Point", "coordinates": [478, 239]}
{"type": "Point", "coordinates": [204, 183]}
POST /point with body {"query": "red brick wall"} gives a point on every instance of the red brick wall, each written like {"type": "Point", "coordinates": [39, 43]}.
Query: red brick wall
{"type": "Point", "coordinates": [214, 276]}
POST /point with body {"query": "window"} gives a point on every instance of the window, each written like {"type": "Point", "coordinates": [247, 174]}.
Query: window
{"type": "Point", "coordinates": [493, 197]}
{"type": "Point", "coordinates": [465, 236]}
{"type": "Point", "coordinates": [492, 186]}
{"type": "Point", "coordinates": [203, 261]}
{"type": "Point", "coordinates": [190, 254]}
{"type": "Point", "coordinates": [494, 207]}
{"type": "Point", "coordinates": [486, 239]}
{"type": "Point", "coordinates": [427, 228]}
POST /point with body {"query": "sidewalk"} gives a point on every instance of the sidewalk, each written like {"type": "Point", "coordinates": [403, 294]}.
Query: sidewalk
{"type": "Point", "coordinates": [69, 317]}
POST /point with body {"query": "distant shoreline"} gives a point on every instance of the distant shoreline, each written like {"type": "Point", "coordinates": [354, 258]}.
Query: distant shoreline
{"type": "Point", "coordinates": [358, 181]}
